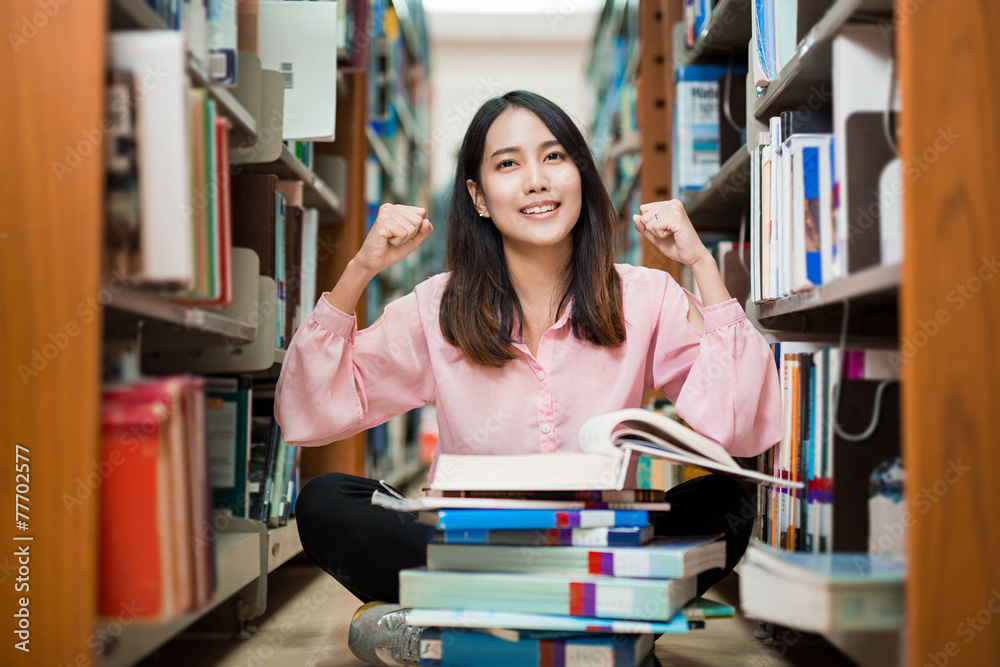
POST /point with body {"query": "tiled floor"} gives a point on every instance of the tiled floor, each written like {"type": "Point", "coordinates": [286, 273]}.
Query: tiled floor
{"type": "Point", "coordinates": [308, 615]}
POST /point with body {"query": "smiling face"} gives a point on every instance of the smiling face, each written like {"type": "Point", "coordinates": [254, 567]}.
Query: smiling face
{"type": "Point", "coordinates": [529, 188]}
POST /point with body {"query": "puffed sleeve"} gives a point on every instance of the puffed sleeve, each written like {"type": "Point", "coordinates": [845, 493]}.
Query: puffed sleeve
{"type": "Point", "coordinates": [723, 382]}
{"type": "Point", "coordinates": [337, 381]}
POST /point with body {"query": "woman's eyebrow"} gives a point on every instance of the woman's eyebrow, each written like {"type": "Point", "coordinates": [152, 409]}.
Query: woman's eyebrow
{"type": "Point", "coordinates": [516, 149]}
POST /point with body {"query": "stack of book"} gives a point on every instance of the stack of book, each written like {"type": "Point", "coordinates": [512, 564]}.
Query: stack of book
{"type": "Point", "coordinates": [551, 559]}
{"type": "Point", "coordinates": [551, 577]}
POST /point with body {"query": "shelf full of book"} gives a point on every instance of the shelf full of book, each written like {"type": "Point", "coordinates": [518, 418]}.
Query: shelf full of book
{"type": "Point", "coordinates": [195, 221]}
{"type": "Point", "coordinates": [807, 74]}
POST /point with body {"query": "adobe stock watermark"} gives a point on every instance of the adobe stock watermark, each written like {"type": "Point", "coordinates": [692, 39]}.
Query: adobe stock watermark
{"type": "Point", "coordinates": [59, 340]}
{"type": "Point", "coordinates": [892, 534]}
{"type": "Point", "coordinates": [32, 24]}
{"type": "Point", "coordinates": [902, 11]}
{"type": "Point", "coordinates": [958, 297]}
{"type": "Point", "coordinates": [819, 96]}
{"type": "Point", "coordinates": [148, 81]}
{"type": "Point", "coordinates": [912, 170]}
{"type": "Point", "coordinates": [86, 487]}
{"type": "Point", "coordinates": [968, 629]}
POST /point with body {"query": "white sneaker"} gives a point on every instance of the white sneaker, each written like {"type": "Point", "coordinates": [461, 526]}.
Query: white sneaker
{"type": "Point", "coordinates": [379, 635]}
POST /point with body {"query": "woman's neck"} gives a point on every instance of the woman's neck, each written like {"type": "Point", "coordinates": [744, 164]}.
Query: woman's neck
{"type": "Point", "coordinates": [539, 276]}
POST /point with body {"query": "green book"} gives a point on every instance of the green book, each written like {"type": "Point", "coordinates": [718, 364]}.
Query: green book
{"type": "Point", "coordinates": [227, 419]}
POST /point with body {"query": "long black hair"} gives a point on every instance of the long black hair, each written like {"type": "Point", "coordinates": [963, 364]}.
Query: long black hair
{"type": "Point", "coordinates": [480, 307]}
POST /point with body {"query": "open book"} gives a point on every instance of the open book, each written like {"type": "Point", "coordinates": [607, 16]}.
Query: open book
{"type": "Point", "coordinates": [611, 444]}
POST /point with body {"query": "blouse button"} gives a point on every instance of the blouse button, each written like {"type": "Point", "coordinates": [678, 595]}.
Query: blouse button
{"type": "Point", "coordinates": [541, 375]}
{"type": "Point", "coordinates": [546, 428]}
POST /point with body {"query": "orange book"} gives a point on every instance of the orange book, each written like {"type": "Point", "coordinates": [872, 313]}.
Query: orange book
{"type": "Point", "coordinates": [135, 537]}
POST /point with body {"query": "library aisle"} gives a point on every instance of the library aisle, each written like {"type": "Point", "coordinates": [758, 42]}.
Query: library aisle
{"type": "Point", "coordinates": [187, 177]}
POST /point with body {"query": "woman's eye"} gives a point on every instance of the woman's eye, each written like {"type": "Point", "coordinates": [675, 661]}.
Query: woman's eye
{"type": "Point", "coordinates": [555, 155]}
{"type": "Point", "coordinates": [505, 163]}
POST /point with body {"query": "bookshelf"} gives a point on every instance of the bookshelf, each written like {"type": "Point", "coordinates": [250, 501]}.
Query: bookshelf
{"type": "Point", "coordinates": [52, 243]}
{"type": "Point", "coordinates": [726, 30]}
{"type": "Point", "coordinates": [801, 79]}
{"type": "Point", "coordinates": [944, 57]}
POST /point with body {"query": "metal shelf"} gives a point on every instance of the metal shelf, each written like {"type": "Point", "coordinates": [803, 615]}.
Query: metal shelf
{"type": "Point", "coordinates": [726, 197]}
{"type": "Point", "coordinates": [729, 28]}
{"type": "Point", "coordinates": [228, 104]}
{"type": "Point", "coordinates": [801, 80]}
{"type": "Point", "coordinates": [237, 558]}
{"type": "Point", "coordinates": [198, 319]}
{"type": "Point", "coordinates": [137, 15]}
{"type": "Point", "coordinates": [283, 544]}
{"type": "Point", "coordinates": [288, 167]}
{"type": "Point", "coordinates": [876, 281]}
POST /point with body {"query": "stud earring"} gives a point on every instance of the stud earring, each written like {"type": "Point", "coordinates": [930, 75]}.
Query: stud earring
{"type": "Point", "coordinates": [482, 212]}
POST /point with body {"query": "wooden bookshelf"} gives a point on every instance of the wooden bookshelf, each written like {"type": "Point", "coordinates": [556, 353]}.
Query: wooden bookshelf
{"type": "Point", "coordinates": [948, 57]}
{"type": "Point", "coordinates": [805, 79]}
{"type": "Point", "coordinates": [727, 29]}
{"type": "Point", "coordinates": [944, 63]}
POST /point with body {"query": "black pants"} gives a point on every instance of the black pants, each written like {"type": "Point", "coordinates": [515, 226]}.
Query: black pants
{"type": "Point", "coordinates": [364, 546]}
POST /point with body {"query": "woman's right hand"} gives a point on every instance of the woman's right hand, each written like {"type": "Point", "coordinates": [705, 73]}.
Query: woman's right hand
{"type": "Point", "coordinates": [398, 230]}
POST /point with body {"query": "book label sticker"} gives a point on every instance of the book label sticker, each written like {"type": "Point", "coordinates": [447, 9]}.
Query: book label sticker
{"type": "Point", "coordinates": [592, 537]}
{"type": "Point", "coordinates": [630, 564]}
{"type": "Point", "coordinates": [614, 602]}
{"type": "Point", "coordinates": [589, 655]}
{"type": "Point", "coordinates": [592, 518]}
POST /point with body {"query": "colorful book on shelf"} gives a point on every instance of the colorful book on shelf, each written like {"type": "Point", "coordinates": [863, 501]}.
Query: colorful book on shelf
{"type": "Point", "coordinates": [454, 647]}
{"type": "Point", "coordinates": [163, 160]}
{"type": "Point", "coordinates": [227, 403]}
{"type": "Point", "coordinates": [514, 621]}
{"type": "Point", "coordinates": [123, 247]}
{"type": "Point", "coordinates": [222, 32]}
{"type": "Point", "coordinates": [528, 519]}
{"type": "Point", "coordinates": [595, 537]}
{"type": "Point", "coordinates": [611, 445]}
{"type": "Point", "coordinates": [839, 592]}
{"type": "Point", "coordinates": [136, 558]}
{"type": "Point", "coordinates": [186, 476]}
{"type": "Point", "coordinates": [585, 595]}
{"type": "Point", "coordinates": [664, 558]}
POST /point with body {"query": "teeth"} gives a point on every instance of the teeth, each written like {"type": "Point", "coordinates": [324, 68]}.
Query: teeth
{"type": "Point", "coordinates": [539, 209]}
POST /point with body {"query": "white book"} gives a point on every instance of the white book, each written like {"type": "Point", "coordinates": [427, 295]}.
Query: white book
{"type": "Point", "coordinates": [299, 40]}
{"type": "Point", "coordinates": [822, 592]}
{"type": "Point", "coordinates": [611, 445]}
{"type": "Point", "coordinates": [827, 228]}
{"type": "Point", "coordinates": [310, 259]}
{"type": "Point", "coordinates": [891, 212]}
{"type": "Point", "coordinates": [862, 63]}
{"type": "Point", "coordinates": [157, 60]}
{"type": "Point", "coordinates": [808, 197]}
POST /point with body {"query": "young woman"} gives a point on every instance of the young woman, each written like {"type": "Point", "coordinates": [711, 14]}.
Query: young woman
{"type": "Point", "coordinates": [532, 331]}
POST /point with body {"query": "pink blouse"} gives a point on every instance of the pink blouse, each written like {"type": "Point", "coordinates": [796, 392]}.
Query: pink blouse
{"type": "Point", "coordinates": [337, 381]}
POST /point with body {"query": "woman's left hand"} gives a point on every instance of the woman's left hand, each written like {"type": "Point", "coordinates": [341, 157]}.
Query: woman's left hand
{"type": "Point", "coordinates": [667, 226]}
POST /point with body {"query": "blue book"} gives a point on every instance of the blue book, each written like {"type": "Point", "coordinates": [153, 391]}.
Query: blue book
{"type": "Point", "coordinates": [626, 536]}
{"type": "Point", "coordinates": [466, 519]}
{"type": "Point", "coordinates": [457, 647]}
